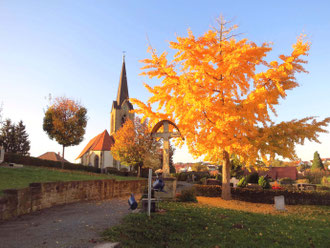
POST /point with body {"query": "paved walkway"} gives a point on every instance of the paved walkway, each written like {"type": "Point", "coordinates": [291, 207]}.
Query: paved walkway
{"type": "Point", "coordinates": [75, 225]}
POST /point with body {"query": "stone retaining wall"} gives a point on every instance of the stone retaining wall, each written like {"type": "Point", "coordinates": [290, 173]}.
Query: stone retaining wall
{"type": "Point", "coordinates": [38, 196]}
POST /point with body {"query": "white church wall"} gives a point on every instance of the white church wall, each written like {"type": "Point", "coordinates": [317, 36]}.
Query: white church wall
{"type": "Point", "coordinates": [108, 159]}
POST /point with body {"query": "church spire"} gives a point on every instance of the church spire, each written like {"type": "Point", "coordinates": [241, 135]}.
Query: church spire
{"type": "Point", "coordinates": [122, 94]}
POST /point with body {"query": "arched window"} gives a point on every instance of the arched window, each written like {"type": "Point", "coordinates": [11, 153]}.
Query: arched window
{"type": "Point", "coordinates": [96, 161]}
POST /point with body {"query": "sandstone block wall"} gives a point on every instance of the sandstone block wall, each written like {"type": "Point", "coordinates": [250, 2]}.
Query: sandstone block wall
{"type": "Point", "coordinates": [38, 196]}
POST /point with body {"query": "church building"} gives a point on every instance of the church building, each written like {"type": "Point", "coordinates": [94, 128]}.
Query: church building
{"type": "Point", "coordinates": [97, 153]}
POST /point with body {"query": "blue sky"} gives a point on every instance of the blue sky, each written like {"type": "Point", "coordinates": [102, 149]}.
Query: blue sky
{"type": "Point", "coordinates": [74, 48]}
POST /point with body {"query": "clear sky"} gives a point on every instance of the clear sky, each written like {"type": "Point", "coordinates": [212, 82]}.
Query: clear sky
{"type": "Point", "coordinates": [74, 48]}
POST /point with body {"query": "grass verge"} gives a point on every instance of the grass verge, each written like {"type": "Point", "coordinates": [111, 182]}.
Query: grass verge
{"type": "Point", "coordinates": [195, 225]}
{"type": "Point", "coordinates": [15, 178]}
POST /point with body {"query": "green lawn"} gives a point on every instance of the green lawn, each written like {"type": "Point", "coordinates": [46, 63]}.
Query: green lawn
{"type": "Point", "coordinates": [194, 225]}
{"type": "Point", "coordinates": [15, 178]}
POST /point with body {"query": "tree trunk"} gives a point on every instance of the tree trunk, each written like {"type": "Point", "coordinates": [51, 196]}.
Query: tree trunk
{"type": "Point", "coordinates": [226, 193]}
{"type": "Point", "coordinates": [62, 162]}
{"type": "Point", "coordinates": [139, 171]}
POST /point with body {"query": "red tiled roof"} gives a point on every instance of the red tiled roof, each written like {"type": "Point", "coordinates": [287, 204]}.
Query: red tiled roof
{"type": "Point", "coordinates": [277, 172]}
{"type": "Point", "coordinates": [101, 142]}
{"type": "Point", "coordinates": [52, 156]}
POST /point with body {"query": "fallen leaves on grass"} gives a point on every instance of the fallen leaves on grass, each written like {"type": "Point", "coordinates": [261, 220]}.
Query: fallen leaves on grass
{"type": "Point", "coordinates": [306, 212]}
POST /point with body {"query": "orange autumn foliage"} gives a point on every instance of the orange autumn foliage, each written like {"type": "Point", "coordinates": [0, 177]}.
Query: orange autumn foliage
{"type": "Point", "coordinates": [134, 145]}
{"type": "Point", "coordinates": [220, 91]}
{"type": "Point", "coordinates": [65, 121]}
{"type": "Point", "coordinates": [212, 91]}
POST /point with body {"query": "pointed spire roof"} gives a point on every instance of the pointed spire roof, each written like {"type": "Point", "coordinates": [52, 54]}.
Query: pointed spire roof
{"type": "Point", "coordinates": [122, 94]}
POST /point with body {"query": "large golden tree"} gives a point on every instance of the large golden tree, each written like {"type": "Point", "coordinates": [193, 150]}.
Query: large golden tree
{"type": "Point", "coordinates": [220, 92]}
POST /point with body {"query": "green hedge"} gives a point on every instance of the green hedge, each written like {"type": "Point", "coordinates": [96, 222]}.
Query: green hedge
{"type": "Point", "coordinates": [267, 196]}
{"type": "Point", "coordinates": [26, 160]}
{"type": "Point", "coordinates": [184, 176]}
{"type": "Point", "coordinates": [122, 172]}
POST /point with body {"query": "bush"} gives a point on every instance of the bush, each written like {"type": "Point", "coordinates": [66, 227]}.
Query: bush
{"type": "Point", "coordinates": [242, 182]}
{"type": "Point", "coordinates": [203, 180]}
{"type": "Point", "coordinates": [323, 188]}
{"type": "Point", "coordinates": [263, 182]}
{"type": "Point", "coordinates": [267, 196]}
{"type": "Point", "coordinates": [315, 176]}
{"type": "Point", "coordinates": [187, 195]}
{"type": "Point", "coordinates": [286, 181]}
{"type": "Point", "coordinates": [253, 178]}
{"type": "Point", "coordinates": [302, 180]}
{"type": "Point", "coordinates": [219, 177]}
{"type": "Point", "coordinates": [325, 181]}
{"type": "Point", "coordinates": [182, 176]}
{"type": "Point", "coordinates": [208, 190]}
{"type": "Point", "coordinates": [111, 170]}
{"type": "Point", "coordinates": [210, 181]}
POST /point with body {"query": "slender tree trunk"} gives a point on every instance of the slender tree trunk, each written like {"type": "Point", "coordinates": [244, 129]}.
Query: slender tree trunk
{"type": "Point", "coordinates": [139, 171]}
{"type": "Point", "coordinates": [62, 162]}
{"type": "Point", "coordinates": [226, 193]}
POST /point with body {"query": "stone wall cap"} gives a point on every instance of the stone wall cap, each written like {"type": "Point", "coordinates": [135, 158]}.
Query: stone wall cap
{"type": "Point", "coordinates": [10, 191]}
{"type": "Point", "coordinates": [169, 179]}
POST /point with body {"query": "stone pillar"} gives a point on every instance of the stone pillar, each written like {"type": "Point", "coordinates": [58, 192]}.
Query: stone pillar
{"type": "Point", "coordinates": [166, 152]}
{"type": "Point", "coordinates": [166, 158]}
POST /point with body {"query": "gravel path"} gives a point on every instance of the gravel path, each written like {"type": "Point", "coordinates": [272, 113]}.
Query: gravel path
{"type": "Point", "coordinates": [75, 225]}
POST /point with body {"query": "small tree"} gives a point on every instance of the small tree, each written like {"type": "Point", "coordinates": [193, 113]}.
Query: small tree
{"type": "Point", "coordinates": [65, 121]}
{"type": "Point", "coordinates": [7, 136]}
{"type": "Point", "coordinates": [14, 138]}
{"type": "Point", "coordinates": [134, 146]}
{"type": "Point", "coordinates": [22, 139]}
{"type": "Point", "coordinates": [317, 162]}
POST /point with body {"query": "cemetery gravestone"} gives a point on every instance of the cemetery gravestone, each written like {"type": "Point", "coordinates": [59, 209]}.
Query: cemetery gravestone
{"type": "Point", "coordinates": [234, 181]}
{"type": "Point", "coordinates": [279, 203]}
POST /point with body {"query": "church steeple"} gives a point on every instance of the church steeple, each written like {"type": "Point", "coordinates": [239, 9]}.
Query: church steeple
{"type": "Point", "coordinates": [122, 94]}
{"type": "Point", "coordinates": [121, 108]}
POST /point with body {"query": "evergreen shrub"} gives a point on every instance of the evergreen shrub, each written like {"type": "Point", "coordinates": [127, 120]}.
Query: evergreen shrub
{"type": "Point", "coordinates": [187, 195]}
{"type": "Point", "coordinates": [263, 182]}
{"type": "Point", "coordinates": [242, 182]}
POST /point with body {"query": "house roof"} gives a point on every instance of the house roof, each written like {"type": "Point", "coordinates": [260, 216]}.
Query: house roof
{"type": "Point", "coordinates": [101, 142]}
{"type": "Point", "coordinates": [52, 156]}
